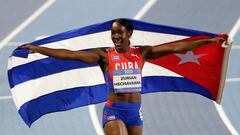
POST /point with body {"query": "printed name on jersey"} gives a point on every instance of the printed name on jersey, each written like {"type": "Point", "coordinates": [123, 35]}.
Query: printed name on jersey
{"type": "Point", "coordinates": [127, 80]}
{"type": "Point", "coordinates": [127, 83]}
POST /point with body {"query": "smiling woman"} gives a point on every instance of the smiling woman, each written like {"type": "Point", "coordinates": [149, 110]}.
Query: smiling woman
{"type": "Point", "coordinates": [121, 35]}
{"type": "Point", "coordinates": [122, 112]}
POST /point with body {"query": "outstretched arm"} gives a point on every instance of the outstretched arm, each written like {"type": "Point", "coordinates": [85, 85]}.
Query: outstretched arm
{"type": "Point", "coordinates": [151, 52]}
{"type": "Point", "coordinates": [92, 56]}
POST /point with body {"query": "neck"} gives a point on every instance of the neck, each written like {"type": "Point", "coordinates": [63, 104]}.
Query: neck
{"type": "Point", "coordinates": [122, 50]}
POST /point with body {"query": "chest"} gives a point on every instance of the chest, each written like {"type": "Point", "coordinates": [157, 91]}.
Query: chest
{"type": "Point", "coordinates": [129, 60]}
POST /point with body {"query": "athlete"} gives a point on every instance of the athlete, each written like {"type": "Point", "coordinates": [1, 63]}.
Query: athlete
{"type": "Point", "coordinates": [122, 66]}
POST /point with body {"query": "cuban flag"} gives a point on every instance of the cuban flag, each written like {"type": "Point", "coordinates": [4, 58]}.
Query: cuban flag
{"type": "Point", "coordinates": [41, 84]}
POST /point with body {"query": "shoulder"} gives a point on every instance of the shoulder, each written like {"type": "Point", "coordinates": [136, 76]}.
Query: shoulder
{"type": "Point", "coordinates": [109, 49]}
{"type": "Point", "coordinates": [141, 47]}
{"type": "Point", "coordinates": [144, 50]}
{"type": "Point", "coordinates": [102, 52]}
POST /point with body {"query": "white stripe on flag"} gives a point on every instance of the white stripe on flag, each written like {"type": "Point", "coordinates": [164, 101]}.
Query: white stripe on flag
{"type": "Point", "coordinates": [155, 70]}
{"type": "Point", "coordinates": [33, 89]}
{"type": "Point", "coordinates": [153, 38]}
{"type": "Point", "coordinates": [14, 61]}
{"type": "Point", "coordinates": [97, 40]}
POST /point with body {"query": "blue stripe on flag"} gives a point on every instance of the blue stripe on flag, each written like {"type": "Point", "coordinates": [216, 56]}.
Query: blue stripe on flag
{"type": "Point", "coordinates": [61, 101]}
{"type": "Point", "coordinates": [144, 26]}
{"type": "Point", "coordinates": [48, 66]}
{"type": "Point", "coordinates": [168, 84]}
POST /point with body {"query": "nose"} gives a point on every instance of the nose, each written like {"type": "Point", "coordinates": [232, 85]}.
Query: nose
{"type": "Point", "coordinates": [116, 37]}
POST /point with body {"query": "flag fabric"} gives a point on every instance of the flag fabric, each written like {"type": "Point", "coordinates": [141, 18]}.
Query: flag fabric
{"type": "Point", "coordinates": [41, 84]}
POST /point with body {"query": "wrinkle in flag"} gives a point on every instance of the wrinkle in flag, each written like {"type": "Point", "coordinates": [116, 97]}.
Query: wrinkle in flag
{"type": "Point", "coordinates": [41, 84]}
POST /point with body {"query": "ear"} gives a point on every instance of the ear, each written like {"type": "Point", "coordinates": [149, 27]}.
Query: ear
{"type": "Point", "coordinates": [130, 33]}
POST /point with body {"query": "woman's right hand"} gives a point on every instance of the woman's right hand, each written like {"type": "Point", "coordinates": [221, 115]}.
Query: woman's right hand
{"type": "Point", "coordinates": [31, 48]}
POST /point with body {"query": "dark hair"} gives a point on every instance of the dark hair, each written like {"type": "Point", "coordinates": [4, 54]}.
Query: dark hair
{"type": "Point", "coordinates": [125, 22]}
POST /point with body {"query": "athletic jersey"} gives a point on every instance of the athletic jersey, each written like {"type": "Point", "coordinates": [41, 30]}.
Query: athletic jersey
{"type": "Point", "coordinates": [124, 71]}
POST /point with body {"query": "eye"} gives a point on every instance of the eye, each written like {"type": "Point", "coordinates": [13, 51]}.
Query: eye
{"type": "Point", "coordinates": [120, 32]}
{"type": "Point", "coordinates": [117, 32]}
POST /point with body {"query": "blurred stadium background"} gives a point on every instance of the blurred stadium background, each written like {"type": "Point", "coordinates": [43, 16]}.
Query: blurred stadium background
{"type": "Point", "coordinates": [164, 113]}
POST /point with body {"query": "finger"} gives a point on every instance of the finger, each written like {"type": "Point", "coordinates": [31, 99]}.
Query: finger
{"type": "Point", "coordinates": [229, 41]}
{"type": "Point", "coordinates": [31, 51]}
{"type": "Point", "coordinates": [222, 39]}
{"type": "Point", "coordinates": [23, 46]}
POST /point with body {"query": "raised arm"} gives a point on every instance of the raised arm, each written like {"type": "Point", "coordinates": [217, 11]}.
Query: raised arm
{"type": "Point", "coordinates": [92, 56]}
{"type": "Point", "coordinates": [151, 52]}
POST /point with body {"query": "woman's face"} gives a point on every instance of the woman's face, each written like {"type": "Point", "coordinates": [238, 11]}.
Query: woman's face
{"type": "Point", "coordinates": [120, 37]}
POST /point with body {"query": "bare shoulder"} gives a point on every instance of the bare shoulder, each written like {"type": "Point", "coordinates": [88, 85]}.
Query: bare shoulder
{"type": "Point", "coordinates": [102, 52]}
{"type": "Point", "coordinates": [145, 49]}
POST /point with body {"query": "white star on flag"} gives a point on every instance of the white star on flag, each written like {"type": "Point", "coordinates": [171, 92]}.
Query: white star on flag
{"type": "Point", "coordinates": [189, 57]}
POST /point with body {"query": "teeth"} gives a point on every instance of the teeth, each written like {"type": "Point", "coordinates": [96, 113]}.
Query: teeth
{"type": "Point", "coordinates": [117, 43]}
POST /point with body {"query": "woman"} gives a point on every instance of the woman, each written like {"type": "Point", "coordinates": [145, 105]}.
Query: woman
{"type": "Point", "coordinates": [122, 66]}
